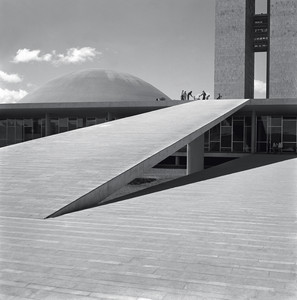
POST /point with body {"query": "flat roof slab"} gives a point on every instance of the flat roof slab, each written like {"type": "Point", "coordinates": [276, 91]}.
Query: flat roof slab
{"type": "Point", "coordinates": [230, 237]}
{"type": "Point", "coordinates": [286, 106]}
{"type": "Point", "coordinates": [42, 176]}
{"type": "Point", "coordinates": [22, 110]}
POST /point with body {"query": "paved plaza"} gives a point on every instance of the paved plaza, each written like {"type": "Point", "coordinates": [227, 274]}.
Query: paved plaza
{"type": "Point", "coordinates": [230, 237]}
{"type": "Point", "coordinates": [110, 190]}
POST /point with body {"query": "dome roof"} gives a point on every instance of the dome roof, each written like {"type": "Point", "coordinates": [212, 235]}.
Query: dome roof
{"type": "Point", "coordinates": [94, 85]}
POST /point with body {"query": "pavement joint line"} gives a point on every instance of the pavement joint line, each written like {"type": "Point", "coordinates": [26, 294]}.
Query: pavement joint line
{"type": "Point", "coordinates": [246, 246]}
{"type": "Point", "coordinates": [189, 280]}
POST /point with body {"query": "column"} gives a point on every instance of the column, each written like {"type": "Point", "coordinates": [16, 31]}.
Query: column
{"type": "Point", "coordinates": [177, 161]}
{"type": "Point", "coordinates": [47, 125]}
{"type": "Point", "coordinates": [195, 155]}
{"type": "Point", "coordinates": [254, 125]}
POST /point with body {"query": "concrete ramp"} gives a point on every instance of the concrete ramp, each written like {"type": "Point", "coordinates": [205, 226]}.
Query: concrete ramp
{"type": "Point", "coordinates": [79, 169]}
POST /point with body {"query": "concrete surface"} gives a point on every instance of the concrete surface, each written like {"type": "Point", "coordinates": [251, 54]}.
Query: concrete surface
{"type": "Point", "coordinates": [79, 169]}
{"type": "Point", "coordinates": [232, 237]}
{"type": "Point", "coordinates": [234, 56]}
{"type": "Point", "coordinates": [283, 44]}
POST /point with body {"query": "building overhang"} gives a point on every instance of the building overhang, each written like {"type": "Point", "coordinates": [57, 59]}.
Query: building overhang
{"type": "Point", "coordinates": [127, 108]}
{"type": "Point", "coordinates": [122, 108]}
{"type": "Point", "coordinates": [286, 106]}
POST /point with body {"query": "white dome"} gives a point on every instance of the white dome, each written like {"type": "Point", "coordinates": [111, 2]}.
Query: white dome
{"type": "Point", "coordinates": [94, 85]}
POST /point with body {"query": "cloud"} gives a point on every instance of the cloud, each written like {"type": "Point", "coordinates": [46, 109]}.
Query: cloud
{"type": "Point", "coordinates": [72, 56]}
{"type": "Point", "coordinates": [76, 56]}
{"type": "Point", "coordinates": [32, 85]}
{"type": "Point", "coordinates": [27, 55]}
{"type": "Point", "coordinates": [11, 96]}
{"type": "Point", "coordinates": [260, 87]}
{"type": "Point", "coordinates": [10, 78]}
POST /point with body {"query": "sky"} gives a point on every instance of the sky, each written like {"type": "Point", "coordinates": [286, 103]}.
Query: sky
{"type": "Point", "coordinates": [168, 43]}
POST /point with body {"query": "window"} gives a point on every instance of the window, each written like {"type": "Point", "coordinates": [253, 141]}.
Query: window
{"type": "Point", "coordinates": [10, 131]}
{"type": "Point", "coordinates": [53, 126]}
{"type": "Point", "coordinates": [63, 124]}
{"type": "Point", "coordinates": [206, 141]}
{"type": "Point", "coordinates": [231, 135]}
{"type": "Point", "coordinates": [28, 129]}
{"type": "Point", "coordinates": [238, 131]}
{"type": "Point", "coordinates": [72, 123]}
{"type": "Point", "coordinates": [289, 134]}
{"type": "Point", "coordinates": [262, 129]}
{"type": "Point", "coordinates": [37, 128]}
{"type": "Point", "coordinates": [3, 132]}
{"type": "Point", "coordinates": [289, 131]}
{"type": "Point", "coordinates": [90, 121]}
{"type": "Point", "coordinates": [226, 137]}
{"type": "Point", "coordinates": [215, 133]}
{"type": "Point", "coordinates": [19, 130]}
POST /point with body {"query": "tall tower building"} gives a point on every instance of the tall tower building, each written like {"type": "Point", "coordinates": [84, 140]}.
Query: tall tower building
{"type": "Point", "coordinates": [283, 49]}
{"type": "Point", "coordinates": [240, 33]}
{"type": "Point", "coordinates": [234, 56]}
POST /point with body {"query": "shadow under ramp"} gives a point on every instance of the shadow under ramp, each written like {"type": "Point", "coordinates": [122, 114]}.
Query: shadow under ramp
{"type": "Point", "coordinates": [234, 166]}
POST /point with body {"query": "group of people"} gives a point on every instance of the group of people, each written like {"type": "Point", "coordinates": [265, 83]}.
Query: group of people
{"type": "Point", "coordinates": [187, 96]}
{"type": "Point", "coordinates": [203, 96]}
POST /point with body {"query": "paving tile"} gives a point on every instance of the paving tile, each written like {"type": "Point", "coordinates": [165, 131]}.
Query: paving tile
{"type": "Point", "coordinates": [152, 294]}
{"type": "Point", "coordinates": [52, 295]}
{"type": "Point", "coordinates": [113, 296]}
{"type": "Point", "coordinates": [179, 297]}
{"type": "Point", "coordinates": [200, 241]}
{"type": "Point", "coordinates": [10, 290]}
{"type": "Point", "coordinates": [7, 297]}
{"type": "Point", "coordinates": [71, 291]}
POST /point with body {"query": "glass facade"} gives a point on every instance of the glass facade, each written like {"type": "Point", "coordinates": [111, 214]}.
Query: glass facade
{"type": "Point", "coordinates": [234, 135]}
{"type": "Point", "coordinates": [231, 135]}
{"type": "Point", "coordinates": [59, 125]}
{"type": "Point", "coordinates": [276, 129]}
{"type": "Point", "coordinates": [14, 131]}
